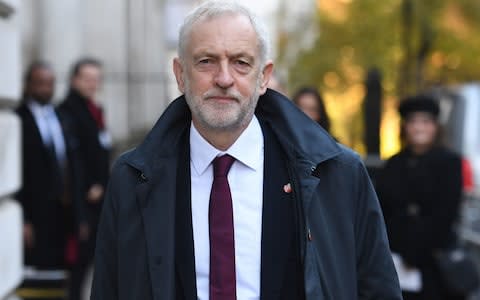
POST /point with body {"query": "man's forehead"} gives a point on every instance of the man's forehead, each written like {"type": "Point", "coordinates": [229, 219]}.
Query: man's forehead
{"type": "Point", "coordinates": [42, 72]}
{"type": "Point", "coordinates": [89, 68]}
{"type": "Point", "coordinates": [225, 21]}
{"type": "Point", "coordinates": [226, 28]}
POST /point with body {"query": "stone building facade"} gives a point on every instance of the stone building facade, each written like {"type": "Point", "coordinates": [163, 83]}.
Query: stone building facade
{"type": "Point", "coordinates": [10, 212]}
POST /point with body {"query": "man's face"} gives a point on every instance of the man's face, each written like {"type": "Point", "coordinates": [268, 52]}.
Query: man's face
{"type": "Point", "coordinates": [221, 74]}
{"type": "Point", "coordinates": [41, 85]}
{"type": "Point", "coordinates": [87, 81]}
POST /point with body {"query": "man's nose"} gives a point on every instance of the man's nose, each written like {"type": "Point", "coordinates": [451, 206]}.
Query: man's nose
{"type": "Point", "coordinates": [224, 78]}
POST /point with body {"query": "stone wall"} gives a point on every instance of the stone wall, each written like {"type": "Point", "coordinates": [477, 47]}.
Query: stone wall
{"type": "Point", "coordinates": [10, 211]}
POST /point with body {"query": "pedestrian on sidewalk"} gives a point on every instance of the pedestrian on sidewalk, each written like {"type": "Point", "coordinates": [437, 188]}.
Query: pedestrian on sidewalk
{"type": "Point", "coordinates": [420, 190]}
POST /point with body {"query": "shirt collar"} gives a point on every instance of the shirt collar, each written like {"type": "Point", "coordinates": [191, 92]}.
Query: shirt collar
{"type": "Point", "coordinates": [40, 109]}
{"type": "Point", "coordinates": [247, 149]}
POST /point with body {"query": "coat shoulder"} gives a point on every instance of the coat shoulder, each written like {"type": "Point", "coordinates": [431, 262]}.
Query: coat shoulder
{"type": "Point", "coordinates": [122, 182]}
{"type": "Point", "coordinates": [447, 160]}
{"type": "Point", "coordinates": [348, 157]}
{"type": "Point", "coordinates": [121, 167]}
{"type": "Point", "coordinates": [446, 154]}
{"type": "Point", "coordinates": [22, 111]}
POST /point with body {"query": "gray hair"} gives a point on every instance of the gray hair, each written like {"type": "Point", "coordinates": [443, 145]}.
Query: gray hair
{"type": "Point", "coordinates": [212, 9]}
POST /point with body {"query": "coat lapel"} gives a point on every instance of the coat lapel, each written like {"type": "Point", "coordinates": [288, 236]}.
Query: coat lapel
{"type": "Point", "coordinates": [277, 225]}
{"type": "Point", "coordinates": [307, 181]}
{"type": "Point", "coordinates": [184, 260]}
{"type": "Point", "coordinates": [33, 130]}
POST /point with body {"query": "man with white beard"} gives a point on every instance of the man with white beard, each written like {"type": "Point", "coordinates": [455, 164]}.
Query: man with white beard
{"type": "Point", "coordinates": [235, 193]}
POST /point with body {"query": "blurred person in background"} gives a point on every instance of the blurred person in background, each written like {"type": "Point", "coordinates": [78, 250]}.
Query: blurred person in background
{"type": "Point", "coordinates": [309, 100]}
{"type": "Point", "coordinates": [46, 193]}
{"type": "Point", "coordinates": [87, 124]}
{"type": "Point", "coordinates": [420, 190]}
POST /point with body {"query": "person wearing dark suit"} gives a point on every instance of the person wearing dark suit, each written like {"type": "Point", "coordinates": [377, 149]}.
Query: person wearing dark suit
{"type": "Point", "coordinates": [85, 120]}
{"type": "Point", "coordinates": [48, 190]}
{"type": "Point", "coordinates": [420, 190]}
{"type": "Point", "coordinates": [235, 193]}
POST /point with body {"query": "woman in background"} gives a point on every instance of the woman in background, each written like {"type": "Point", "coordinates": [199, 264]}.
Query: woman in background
{"type": "Point", "coordinates": [420, 191]}
{"type": "Point", "coordinates": [308, 99]}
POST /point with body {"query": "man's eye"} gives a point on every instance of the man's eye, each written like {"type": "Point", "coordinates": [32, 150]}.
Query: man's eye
{"type": "Point", "coordinates": [205, 61]}
{"type": "Point", "coordinates": [243, 66]}
{"type": "Point", "coordinates": [242, 63]}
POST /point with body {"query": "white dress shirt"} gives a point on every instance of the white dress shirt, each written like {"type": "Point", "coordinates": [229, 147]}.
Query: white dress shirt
{"type": "Point", "coordinates": [246, 185]}
{"type": "Point", "coordinates": [49, 127]}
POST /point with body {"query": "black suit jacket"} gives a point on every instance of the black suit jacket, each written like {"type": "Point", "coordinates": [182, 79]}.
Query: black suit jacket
{"type": "Point", "coordinates": [42, 196]}
{"type": "Point", "coordinates": [281, 272]}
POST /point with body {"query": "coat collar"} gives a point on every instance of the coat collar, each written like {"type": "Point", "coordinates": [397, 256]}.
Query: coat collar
{"type": "Point", "coordinates": [303, 140]}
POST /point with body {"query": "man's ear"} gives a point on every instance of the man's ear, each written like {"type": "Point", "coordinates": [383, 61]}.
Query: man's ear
{"type": "Point", "coordinates": [266, 75]}
{"type": "Point", "coordinates": [178, 71]}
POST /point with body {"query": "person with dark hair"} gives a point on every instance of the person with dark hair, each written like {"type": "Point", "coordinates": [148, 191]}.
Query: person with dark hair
{"type": "Point", "coordinates": [420, 191]}
{"type": "Point", "coordinates": [309, 100]}
{"type": "Point", "coordinates": [48, 191]}
{"type": "Point", "coordinates": [87, 124]}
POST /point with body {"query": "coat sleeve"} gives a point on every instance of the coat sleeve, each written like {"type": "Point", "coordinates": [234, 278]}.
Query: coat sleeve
{"type": "Point", "coordinates": [376, 275]}
{"type": "Point", "coordinates": [105, 284]}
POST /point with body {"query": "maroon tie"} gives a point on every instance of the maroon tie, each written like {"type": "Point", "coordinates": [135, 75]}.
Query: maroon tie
{"type": "Point", "coordinates": [222, 247]}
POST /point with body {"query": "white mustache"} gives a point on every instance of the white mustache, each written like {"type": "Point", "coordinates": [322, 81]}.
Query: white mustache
{"type": "Point", "coordinates": [229, 94]}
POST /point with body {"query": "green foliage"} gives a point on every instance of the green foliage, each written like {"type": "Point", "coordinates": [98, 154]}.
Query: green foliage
{"type": "Point", "coordinates": [437, 42]}
{"type": "Point", "coordinates": [376, 30]}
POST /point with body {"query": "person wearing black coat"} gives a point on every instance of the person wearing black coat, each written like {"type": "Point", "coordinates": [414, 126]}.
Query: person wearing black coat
{"type": "Point", "coordinates": [86, 123]}
{"type": "Point", "coordinates": [420, 191]}
{"type": "Point", "coordinates": [49, 191]}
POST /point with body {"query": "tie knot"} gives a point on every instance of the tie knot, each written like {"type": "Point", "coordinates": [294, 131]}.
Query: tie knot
{"type": "Point", "coordinates": [222, 164]}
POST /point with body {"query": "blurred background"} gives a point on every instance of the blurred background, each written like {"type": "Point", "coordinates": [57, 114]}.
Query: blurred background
{"type": "Point", "coordinates": [363, 55]}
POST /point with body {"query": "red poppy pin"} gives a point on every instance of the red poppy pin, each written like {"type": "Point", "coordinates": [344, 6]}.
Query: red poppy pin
{"type": "Point", "coordinates": [287, 188]}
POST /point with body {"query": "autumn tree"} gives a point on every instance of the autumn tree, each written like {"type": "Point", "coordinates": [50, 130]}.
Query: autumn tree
{"type": "Point", "coordinates": [414, 44]}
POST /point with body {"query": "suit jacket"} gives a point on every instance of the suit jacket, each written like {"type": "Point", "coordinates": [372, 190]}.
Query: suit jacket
{"type": "Point", "coordinates": [45, 194]}
{"type": "Point", "coordinates": [342, 241]}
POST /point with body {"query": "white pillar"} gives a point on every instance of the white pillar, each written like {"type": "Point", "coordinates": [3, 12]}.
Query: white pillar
{"type": "Point", "coordinates": [10, 212]}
